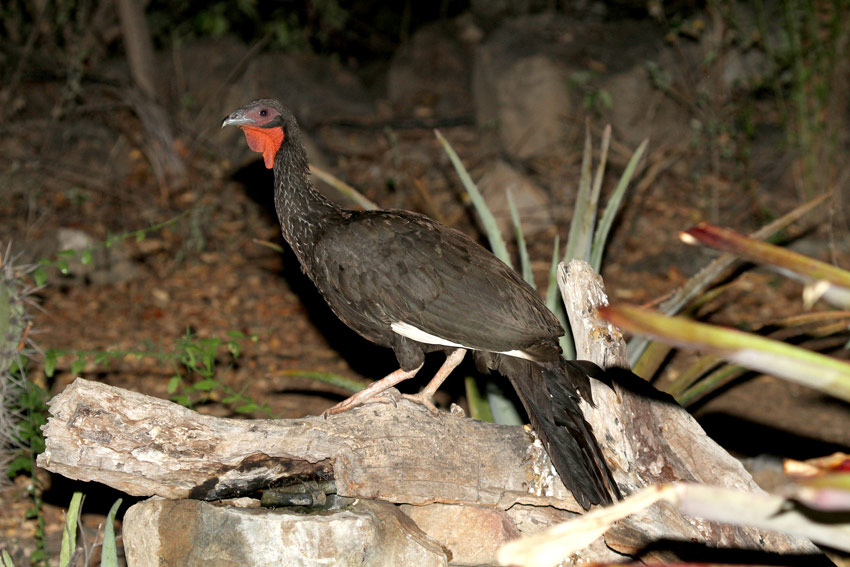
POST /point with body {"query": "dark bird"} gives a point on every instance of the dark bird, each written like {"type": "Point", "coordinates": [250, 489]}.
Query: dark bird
{"type": "Point", "coordinates": [406, 282]}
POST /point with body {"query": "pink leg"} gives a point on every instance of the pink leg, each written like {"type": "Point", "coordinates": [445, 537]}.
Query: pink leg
{"type": "Point", "coordinates": [373, 390]}
{"type": "Point", "coordinates": [424, 397]}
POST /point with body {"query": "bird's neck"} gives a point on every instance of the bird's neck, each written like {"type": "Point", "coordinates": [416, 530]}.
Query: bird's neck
{"type": "Point", "coordinates": [303, 212]}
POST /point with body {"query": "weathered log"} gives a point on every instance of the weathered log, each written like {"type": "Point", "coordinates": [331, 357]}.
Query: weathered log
{"type": "Point", "coordinates": [404, 454]}
{"type": "Point", "coordinates": [650, 439]}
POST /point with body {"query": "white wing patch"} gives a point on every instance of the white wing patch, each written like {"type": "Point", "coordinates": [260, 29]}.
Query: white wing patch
{"type": "Point", "coordinates": [416, 334]}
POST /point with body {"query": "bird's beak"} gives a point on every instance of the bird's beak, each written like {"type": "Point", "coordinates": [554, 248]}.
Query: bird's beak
{"type": "Point", "coordinates": [237, 118]}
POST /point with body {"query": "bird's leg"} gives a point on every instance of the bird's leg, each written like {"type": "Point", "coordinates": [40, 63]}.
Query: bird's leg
{"type": "Point", "coordinates": [424, 397]}
{"type": "Point", "coordinates": [374, 389]}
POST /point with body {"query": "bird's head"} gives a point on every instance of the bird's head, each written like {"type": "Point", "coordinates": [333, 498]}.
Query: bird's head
{"type": "Point", "coordinates": [263, 123]}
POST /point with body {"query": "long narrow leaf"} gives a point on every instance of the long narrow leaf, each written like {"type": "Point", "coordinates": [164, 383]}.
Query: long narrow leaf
{"type": "Point", "coordinates": [524, 260]}
{"type": "Point", "coordinates": [809, 270]}
{"type": "Point", "coordinates": [553, 296]}
{"type": "Point", "coordinates": [709, 273]}
{"type": "Point", "coordinates": [692, 374]}
{"type": "Point", "coordinates": [109, 552]}
{"type": "Point", "coordinates": [796, 364]}
{"type": "Point", "coordinates": [613, 206]}
{"type": "Point", "coordinates": [714, 381]}
{"type": "Point", "coordinates": [584, 213]}
{"type": "Point", "coordinates": [504, 412]}
{"type": "Point", "coordinates": [69, 535]}
{"type": "Point", "coordinates": [651, 359]}
{"type": "Point", "coordinates": [330, 378]}
{"type": "Point", "coordinates": [497, 243]}
{"type": "Point", "coordinates": [343, 187]}
{"type": "Point", "coordinates": [556, 304]}
{"type": "Point", "coordinates": [478, 406]}
{"type": "Point", "coordinates": [596, 188]}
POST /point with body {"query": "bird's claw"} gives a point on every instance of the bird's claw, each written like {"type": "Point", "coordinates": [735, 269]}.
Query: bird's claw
{"type": "Point", "coordinates": [423, 399]}
{"type": "Point", "coordinates": [388, 396]}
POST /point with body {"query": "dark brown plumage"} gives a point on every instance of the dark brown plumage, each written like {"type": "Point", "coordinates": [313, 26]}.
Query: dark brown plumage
{"type": "Point", "coordinates": [406, 282]}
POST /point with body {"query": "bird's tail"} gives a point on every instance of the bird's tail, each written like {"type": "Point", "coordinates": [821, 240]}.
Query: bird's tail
{"type": "Point", "coordinates": [550, 393]}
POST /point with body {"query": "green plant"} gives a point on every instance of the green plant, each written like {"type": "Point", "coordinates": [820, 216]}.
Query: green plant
{"type": "Point", "coordinates": [25, 443]}
{"type": "Point", "coordinates": [586, 240]}
{"type": "Point", "coordinates": [596, 99]}
{"type": "Point", "coordinates": [60, 261]}
{"type": "Point", "coordinates": [198, 356]}
{"type": "Point", "coordinates": [68, 552]}
{"type": "Point", "coordinates": [807, 48]}
{"type": "Point", "coordinates": [22, 403]}
{"type": "Point", "coordinates": [749, 350]}
{"type": "Point", "coordinates": [14, 329]}
{"type": "Point", "coordinates": [193, 359]}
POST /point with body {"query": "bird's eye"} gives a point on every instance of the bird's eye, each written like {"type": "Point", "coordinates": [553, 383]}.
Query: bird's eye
{"type": "Point", "coordinates": [264, 112]}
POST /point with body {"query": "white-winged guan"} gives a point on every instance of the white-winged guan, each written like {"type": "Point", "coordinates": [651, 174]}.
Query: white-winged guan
{"type": "Point", "coordinates": [409, 283]}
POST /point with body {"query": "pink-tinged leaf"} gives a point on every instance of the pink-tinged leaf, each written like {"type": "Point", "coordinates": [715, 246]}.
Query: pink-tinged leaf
{"type": "Point", "coordinates": [827, 280]}
{"type": "Point", "coordinates": [772, 357]}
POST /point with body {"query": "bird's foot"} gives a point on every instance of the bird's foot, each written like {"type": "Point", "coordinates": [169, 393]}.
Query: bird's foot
{"type": "Point", "coordinates": [423, 398]}
{"type": "Point", "coordinates": [375, 391]}
{"type": "Point", "coordinates": [388, 396]}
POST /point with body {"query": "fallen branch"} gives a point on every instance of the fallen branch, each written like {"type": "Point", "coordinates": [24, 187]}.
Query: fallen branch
{"type": "Point", "coordinates": [146, 446]}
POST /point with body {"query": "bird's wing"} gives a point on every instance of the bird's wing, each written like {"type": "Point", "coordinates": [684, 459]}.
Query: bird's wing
{"type": "Point", "coordinates": [395, 267]}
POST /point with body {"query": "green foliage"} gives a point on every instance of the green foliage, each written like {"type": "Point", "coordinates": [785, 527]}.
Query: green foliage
{"type": "Point", "coordinates": [287, 25]}
{"type": "Point", "coordinates": [524, 260]}
{"type": "Point", "coordinates": [193, 359]}
{"type": "Point", "coordinates": [26, 443]}
{"type": "Point", "coordinates": [31, 408]}
{"type": "Point", "coordinates": [68, 549]}
{"type": "Point", "coordinates": [596, 100]}
{"type": "Point", "coordinates": [806, 54]}
{"type": "Point", "coordinates": [329, 378]}
{"type": "Point", "coordinates": [36, 512]}
{"type": "Point", "coordinates": [491, 228]}
{"type": "Point", "coordinates": [109, 552]}
{"type": "Point", "coordinates": [586, 239]}
{"type": "Point", "coordinates": [23, 406]}
{"type": "Point", "coordinates": [61, 260]}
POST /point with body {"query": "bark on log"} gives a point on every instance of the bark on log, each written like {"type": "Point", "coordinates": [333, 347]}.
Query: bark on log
{"type": "Point", "coordinates": [650, 439]}
{"type": "Point", "coordinates": [147, 446]}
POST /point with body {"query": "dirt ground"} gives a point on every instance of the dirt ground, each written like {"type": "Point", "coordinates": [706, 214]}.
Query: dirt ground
{"type": "Point", "coordinates": [210, 272]}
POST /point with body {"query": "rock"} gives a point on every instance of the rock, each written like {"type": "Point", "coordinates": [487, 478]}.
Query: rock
{"type": "Point", "coordinates": [473, 534]}
{"type": "Point", "coordinates": [531, 201]}
{"type": "Point", "coordinates": [641, 111]}
{"type": "Point", "coordinates": [429, 74]}
{"type": "Point", "coordinates": [185, 533]}
{"type": "Point", "coordinates": [525, 87]}
{"type": "Point", "coordinates": [526, 99]}
{"type": "Point", "coordinates": [108, 265]}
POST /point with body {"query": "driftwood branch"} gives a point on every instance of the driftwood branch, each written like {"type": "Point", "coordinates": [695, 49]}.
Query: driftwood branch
{"type": "Point", "coordinates": [650, 439]}
{"type": "Point", "coordinates": [145, 446]}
